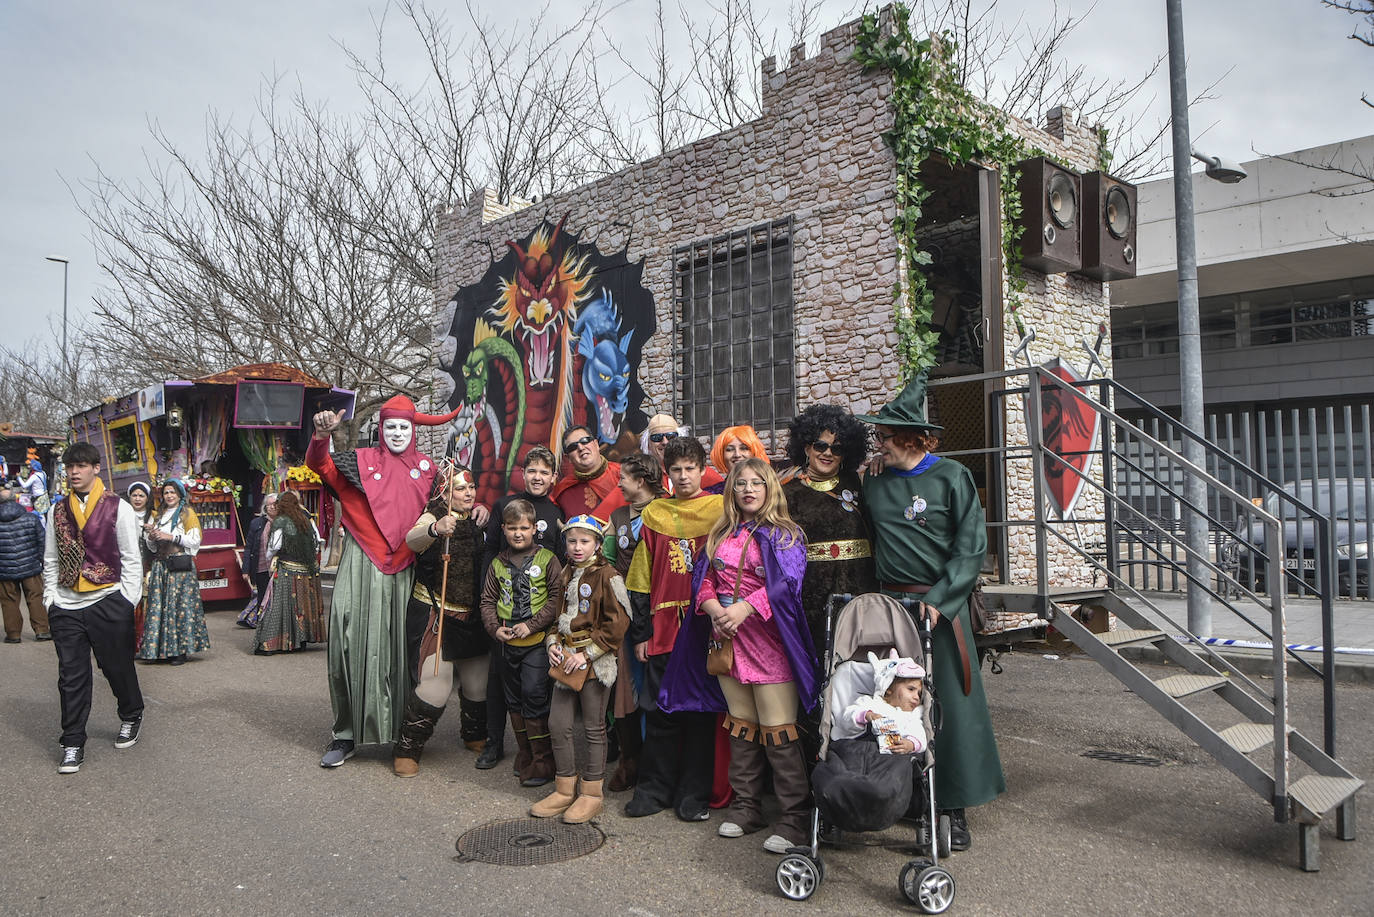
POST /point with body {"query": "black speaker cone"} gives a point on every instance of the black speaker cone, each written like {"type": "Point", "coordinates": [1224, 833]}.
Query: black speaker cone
{"type": "Point", "coordinates": [1062, 200]}
{"type": "Point", "coordinates": [1118, 212]}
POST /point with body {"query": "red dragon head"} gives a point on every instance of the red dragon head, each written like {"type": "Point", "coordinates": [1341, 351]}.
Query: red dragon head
{"type": "Point", "coordinates": [541, 299]}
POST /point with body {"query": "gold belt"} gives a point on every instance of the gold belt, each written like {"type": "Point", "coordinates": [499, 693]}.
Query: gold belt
{"type": "Point", "coordinates": [846, 549]}
{"type": "Point", "coordinates": [423, 593]}
{"type": "Point", "coordinates": [577, 639]}
{"type": "Point", "coordinates": [293, 566]}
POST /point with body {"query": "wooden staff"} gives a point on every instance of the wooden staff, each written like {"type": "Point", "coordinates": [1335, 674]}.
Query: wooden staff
{"type": "Point", "coordinates": [443, 580]}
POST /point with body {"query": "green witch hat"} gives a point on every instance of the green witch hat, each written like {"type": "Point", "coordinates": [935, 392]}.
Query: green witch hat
{"type": "Point", "coordinates": [907, 410]}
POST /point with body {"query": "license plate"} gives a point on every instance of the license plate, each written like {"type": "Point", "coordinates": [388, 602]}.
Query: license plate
{"type": "Point", "coordinates": [213, 584]}
{"type": "Point", "coordinates": [1307, 563]}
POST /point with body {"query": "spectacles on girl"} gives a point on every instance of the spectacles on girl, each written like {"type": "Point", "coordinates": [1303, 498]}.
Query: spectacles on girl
{"type": "Point", "coordinates": [755, 484]}
{"type": "Point", "coordinates": [662, 437]}
{"type": "Point", "coordinates": [823, 447]}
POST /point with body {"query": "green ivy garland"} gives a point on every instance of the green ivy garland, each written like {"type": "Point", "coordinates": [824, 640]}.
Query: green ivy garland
{"type": "Point", "coordinates": [935, 114]}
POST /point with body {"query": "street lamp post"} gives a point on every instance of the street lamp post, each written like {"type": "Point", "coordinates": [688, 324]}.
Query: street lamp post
{"type": "Point", "coordinates": [1189, 324]}
{"type": "Point", "coordinates": [63, 262]}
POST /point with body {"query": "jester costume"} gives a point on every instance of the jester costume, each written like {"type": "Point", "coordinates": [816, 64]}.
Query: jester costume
{"type": "Point", "coordinates": [382, 494]}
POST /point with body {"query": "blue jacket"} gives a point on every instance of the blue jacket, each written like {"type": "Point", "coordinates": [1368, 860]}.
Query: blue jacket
{"type": "Point", "coordinates": [21, 542]}
{"type": "Point", "coordinates": [251, 545]}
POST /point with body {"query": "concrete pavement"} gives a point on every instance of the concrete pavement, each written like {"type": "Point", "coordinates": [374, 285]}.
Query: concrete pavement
{"type": "Point", "coordinates": [221, 808]}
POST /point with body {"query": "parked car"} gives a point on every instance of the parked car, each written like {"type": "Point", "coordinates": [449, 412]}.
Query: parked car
{"type": "Point", "coordinates": [1345, 502]}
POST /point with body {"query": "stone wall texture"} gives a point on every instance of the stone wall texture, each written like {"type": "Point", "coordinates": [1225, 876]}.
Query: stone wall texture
{"type": "Point", "coordinates": [817, 155]}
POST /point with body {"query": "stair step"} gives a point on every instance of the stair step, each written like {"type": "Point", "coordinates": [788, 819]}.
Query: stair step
{"type": "Point", "coordinates": [1248, 737]}
{"type": "Point", "coordinates": [1125, 636]}
{"type": "Point", "coordinates": [1319, 795]}
{"type": "Point", "coordinates": [1184, 685]}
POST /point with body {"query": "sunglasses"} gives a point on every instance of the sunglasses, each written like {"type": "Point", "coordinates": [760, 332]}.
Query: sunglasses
{"type": "Point", "coordinates": [577, 443]}
{"type": "Point", "coordinates": [823, 447]}
{"type": "Point", "coordinates": [662, 437]}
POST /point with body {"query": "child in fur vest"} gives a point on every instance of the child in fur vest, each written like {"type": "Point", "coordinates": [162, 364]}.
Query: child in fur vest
{"type": "Point", "coordinates": [582, 659]}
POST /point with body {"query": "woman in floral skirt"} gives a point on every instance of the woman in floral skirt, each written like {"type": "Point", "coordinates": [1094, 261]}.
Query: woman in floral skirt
{"type": "Point", "coordinates": [295, 611]}
{"type": "Point", "coordinates": [174, 619]}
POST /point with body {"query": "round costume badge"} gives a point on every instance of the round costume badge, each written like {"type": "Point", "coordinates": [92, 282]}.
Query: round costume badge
{"type": "Point", "coordinates": [541, 526]}
{"type": "Point", "coordinates": [848, 507]}
{"type": "Point", "coordinates": [909, 513]}
{"type": "Point", "coordinates": [920, 504]}
{"type": "Point", "coordinates": [424, 464]}
{"type": "Point", "coordinates": [535, 570]}
{"type": "Point", "coordinates": [718, 563]}
{"type": "Point", "coordinates": [847, 496]}
{"type": "Point", "coordinates": [415, 473]}
{"type": "Point", "coordinates": [376, 475]}
{"type": "Point", "coordinates": [758, 571]}
{"type": "Point", "coordinates": [623, 541]}
{"type": "Point", "coordinates": [585, 590]}
{"type": "Point", "coordinates": [584, 606]}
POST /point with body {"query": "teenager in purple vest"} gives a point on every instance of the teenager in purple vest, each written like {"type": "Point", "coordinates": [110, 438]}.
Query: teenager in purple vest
{"type": "Point", "coordinates": [92, 579]}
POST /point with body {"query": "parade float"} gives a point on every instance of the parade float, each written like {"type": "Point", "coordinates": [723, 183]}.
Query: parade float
{"type": "Point", "coordinates": [231, 437]}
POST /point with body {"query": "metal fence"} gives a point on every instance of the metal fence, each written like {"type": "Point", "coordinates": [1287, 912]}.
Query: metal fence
{"type": "Point", "coordinates": [1320, 454]}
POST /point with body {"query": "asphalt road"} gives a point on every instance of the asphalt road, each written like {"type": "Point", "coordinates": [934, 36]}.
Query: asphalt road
{"type": "Point", "coordinates": [221, 808]}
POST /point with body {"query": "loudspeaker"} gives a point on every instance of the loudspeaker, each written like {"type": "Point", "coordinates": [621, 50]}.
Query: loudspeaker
{"type": "Point", "coordinates": [1049, 217]}
{"type": "Point", "coordinates": [1109, 224]}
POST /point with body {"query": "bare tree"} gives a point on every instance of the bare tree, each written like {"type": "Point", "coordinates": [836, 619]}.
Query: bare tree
{"type": "Point", "coordinates": [1364, 32]}
{"type": "Point", "coordinates": [41, 389]}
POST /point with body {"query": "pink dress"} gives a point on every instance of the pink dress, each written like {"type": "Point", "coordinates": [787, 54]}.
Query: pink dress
{"type": "Point", "coordinates": [759, 655]}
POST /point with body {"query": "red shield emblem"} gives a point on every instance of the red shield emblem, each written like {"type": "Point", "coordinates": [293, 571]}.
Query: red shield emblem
{"type": "Point", "coordinates": [1069, 429]}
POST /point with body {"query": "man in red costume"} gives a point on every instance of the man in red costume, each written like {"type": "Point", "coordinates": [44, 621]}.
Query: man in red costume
{"type": "Point", "coordinates": [383, 490]}
{"type": "Point", "coordinates": [591, 477]}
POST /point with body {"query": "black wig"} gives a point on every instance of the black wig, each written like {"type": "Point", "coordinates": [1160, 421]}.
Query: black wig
{"type": "Point", "coordinates": [851, 436]}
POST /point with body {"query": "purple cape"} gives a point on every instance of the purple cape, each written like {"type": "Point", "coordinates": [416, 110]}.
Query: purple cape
{"type": "Point", "coordinates": [687, 687]}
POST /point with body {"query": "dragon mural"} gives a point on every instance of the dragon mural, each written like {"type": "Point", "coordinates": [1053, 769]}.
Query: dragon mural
{"type": "Point", "coordinates": [550, 336]}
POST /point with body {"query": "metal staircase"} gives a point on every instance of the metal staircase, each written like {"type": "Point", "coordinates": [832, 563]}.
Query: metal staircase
{"type": "Point", "coordinates": [1255, 739]}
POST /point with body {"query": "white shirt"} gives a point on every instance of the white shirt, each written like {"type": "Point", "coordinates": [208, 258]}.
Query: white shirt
{"type": "Point", "coordinates": [130, 562]}
{"type": "Point", "coordinates": [189, 542]}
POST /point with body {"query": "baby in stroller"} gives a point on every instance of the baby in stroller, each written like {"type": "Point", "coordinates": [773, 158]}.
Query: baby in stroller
{"type": "Point", "coordinates": [865, 781]}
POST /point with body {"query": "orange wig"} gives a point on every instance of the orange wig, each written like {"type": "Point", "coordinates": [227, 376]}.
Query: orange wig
{"type": "Point", "coordinates": [746, 435]}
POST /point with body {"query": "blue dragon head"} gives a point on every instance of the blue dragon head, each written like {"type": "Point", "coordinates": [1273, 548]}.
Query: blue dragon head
{"type": "Point", "coordinates": [606, 364]}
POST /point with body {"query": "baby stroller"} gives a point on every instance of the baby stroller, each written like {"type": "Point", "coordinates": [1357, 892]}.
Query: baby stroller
{"type": "Point", "coordinates": [872, 623]}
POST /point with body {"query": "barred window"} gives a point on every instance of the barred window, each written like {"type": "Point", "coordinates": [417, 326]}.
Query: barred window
{"type": "Point", "coordinates": [734, 303]}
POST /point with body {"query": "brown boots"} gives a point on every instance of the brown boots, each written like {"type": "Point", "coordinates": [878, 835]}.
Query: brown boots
{"type": "Point", "coordinates": [417, 725]}
{"type": "Point", "coordinates": [540, 769]}
{"type": "Point", "coordinates": [790, 785]}
{"type": "Point", "coordinates": [557, 802]}
{"type": "Point", "coordinates": [748, 766]}
{"type": "Point", "coordinates": [588, 804]}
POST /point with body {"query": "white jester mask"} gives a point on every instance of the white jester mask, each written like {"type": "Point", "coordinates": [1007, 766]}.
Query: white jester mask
{"type": "Point", "coordinates": [397, 433]}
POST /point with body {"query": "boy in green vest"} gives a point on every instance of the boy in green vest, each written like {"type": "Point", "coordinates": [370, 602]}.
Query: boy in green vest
{"type": "Point", "coordinates": [518, 604]}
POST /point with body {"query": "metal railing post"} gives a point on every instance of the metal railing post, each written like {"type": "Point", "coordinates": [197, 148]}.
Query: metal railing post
{"type": "Point", "coordinates": [1326, 576]}
{"type": "Point", "coordinates": [1273, 537]}
{"type": "Point", "coordinates": [1034, 433]}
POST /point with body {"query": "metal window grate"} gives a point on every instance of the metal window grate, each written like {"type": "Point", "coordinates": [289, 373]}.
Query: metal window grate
{"type": "Point", "coordinates": [735, 311]}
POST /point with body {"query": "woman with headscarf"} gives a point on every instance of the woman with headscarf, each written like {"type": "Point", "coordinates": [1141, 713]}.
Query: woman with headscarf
{"type": "Point", "coordinates": [140, 497]}
{"type": "Point", "coordinates": [294, 615]}
{"type": "Point", "coordinates": [174, 622]}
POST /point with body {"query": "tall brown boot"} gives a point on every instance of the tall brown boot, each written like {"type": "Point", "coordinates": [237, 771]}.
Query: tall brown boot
{"type": "Point", "coordinates": [417, 725]}
{"type": "Point", "coordinates": [748, 765]}
{"type": "Point", "coordinates": [588, 804]}
{"type": "Point", "coordinates": [627, 771]}
{"type": "Point", "coordinates": [541, 766]}
{"type": "Point", "coordinates": [523, 754]}
{"type": "Point", "coordinates": [791, 786]}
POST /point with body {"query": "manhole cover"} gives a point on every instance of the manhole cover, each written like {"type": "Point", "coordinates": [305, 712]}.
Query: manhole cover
{"type": "Point", "coordinates": [1122, 757]}
{"type": "Point", "coordinates": [528, 842]}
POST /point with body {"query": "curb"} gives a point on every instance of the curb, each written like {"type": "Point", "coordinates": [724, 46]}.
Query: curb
{"type": "Point", "coordinates": [1349, 671]}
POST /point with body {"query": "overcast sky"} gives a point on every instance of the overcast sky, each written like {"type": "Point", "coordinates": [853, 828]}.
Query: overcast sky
{"type": "Point", "coordinates": [85, 79]}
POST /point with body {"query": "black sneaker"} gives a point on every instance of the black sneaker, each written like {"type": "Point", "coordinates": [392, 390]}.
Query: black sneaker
{"type": "Point", "coordinates": [128, 733]}
{"type": "Point", "coordinates": [72, 756]}
{"type": "Point", "coordinates": [490, 756]}
{"type": "Point", "coordinates": [339, 751]}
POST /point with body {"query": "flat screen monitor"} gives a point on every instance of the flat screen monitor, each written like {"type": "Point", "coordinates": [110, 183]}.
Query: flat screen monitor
{"type": "Point", "coordinates": [269, 405]}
